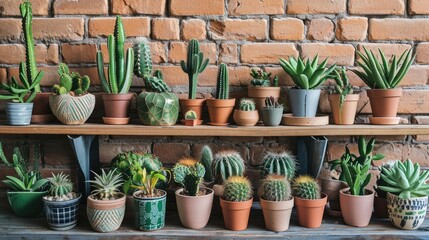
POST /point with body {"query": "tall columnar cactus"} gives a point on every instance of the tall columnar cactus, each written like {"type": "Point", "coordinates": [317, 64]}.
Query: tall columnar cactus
{"type": "Point", "coordinates": [280, 163]}
{"type": "Point", "coordinates": [227, 164]}
{"type": "Point", "coordinates": [195, 64]}
{"type": "Point", "coordinates": [306, 187]}
{"type": "Point", "coordinates": [275, 188]}
{"type": "Point", "coordinates": [189, 173]}
{"type": "Point", "coordinates": [247, 104]}
{"type": "Point", "coordinates": [71, 82]}
{"type": "Point", "coordinates": [207, 161]}
{"type": "Point", "coordinates": [222, 86]}
{"type": "Point", "coordinates": [120, 71]}
{"type": "Point", "coordinates": [237, 189]}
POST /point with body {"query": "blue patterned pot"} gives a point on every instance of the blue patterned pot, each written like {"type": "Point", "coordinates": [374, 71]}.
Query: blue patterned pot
{"type": "Point", "coordinates": [150, 212]}
{"type": "Point", "coordinates": [105, 215]}
{"type": "Point", "coordinates": [406, 214]}
{"type": "Point", "coordinates": [72, 110]}
{"type": "Point", "coordinates": [62, 215]}
{"type": "Point", "coordinates": [19, 114]}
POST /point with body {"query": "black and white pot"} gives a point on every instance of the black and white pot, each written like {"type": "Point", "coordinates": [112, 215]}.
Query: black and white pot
{"type": "Point", "coordinates": [62, 215]}
{"type": "Point", "coordinates": [406, 214]}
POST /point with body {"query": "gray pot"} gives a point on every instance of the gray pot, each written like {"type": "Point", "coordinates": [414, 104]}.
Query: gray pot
{"type": "Point", "coordinates": [272, 116]}
{"type": "Point", "coordinates": [19, 114]}
{"type": "Point", "coordinates": [303, 102]}
{"type": "Point", "coordinates": [311, 153]}
{"type": "Point", "coordinates": [62, 215]}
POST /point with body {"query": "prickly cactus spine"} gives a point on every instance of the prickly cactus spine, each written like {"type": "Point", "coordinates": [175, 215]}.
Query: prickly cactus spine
{"type": "Point", "coordinates": [247, 104]}
{"type": "Point", "coordinates": [237, 189]}
{"type": "Point", "coordinates": [207, 161]}
{"type": "Point", "coordinates": [227, 164]}
{"type": "Point", "coordinates": [275, 188]}
{"type": "Point", "coordinates": [306, 187]}
{"type": "Point", "coordinates": [222, 86]}
{"type": "Point", "coordinates": [282, 163]}
{"type": "Point", "coordinates": [189, 173]}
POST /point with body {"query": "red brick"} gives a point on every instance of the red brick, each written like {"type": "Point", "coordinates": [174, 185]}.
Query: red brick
{"type": "Point", "coordinates": [352, 29]}
{"type": "Point", "coordinates": [194, 28]}
{"type": "Point", "coordinates": [173, 75]}
{"type": "Point", "coordinates": [341, 54]}
{"type": "Point", "coordinates": [237, 29]}
{"type": "Point", "coordinates": [171, 152]}
{"type": "Point", "coordinates": [158, 51]}
{"type": "Point", "coordinates": [414, 102]}
{"type": "Point", "coordinates": [287, 29]}
{"type": "Point", "coordinates": [238, 76]}
{"type": "Point", "coordinates": [165, 29]}
{"type": "Point", "coordinates": [197, 7]}
{"type": "Point", "coordinates": [321, 29]}
{"type": "Point", "coordinates": [399, 29]}
{"type": "Point", "coordinates": [422, 56]}
{"type": "Point", "coordinates": [418, 7]}
{"type": "Point", "coordinates": [379, 7]}
{"type": "Point", "coordinates": [58, 28]}
{"type": "Point", "coordinates": [256, 53]}
{"type": "Point", "coordinates": [82, 53]}
{"type": "Point", "coordinates": [3, 75]}
{"type": "Point", "coordinates": [15, 53]}
{"type": "Point", "coordinates": [10, 29]}
{"type": "Point", "coordinates": [315, 6]}
{"type": "Point", "coordinates": [92, 73]}
{"type": "Point", "coordinates": [111, 150]}
{"type": "Point", "coordinates": [228, 53]}
{"type": "Point", "coordinates": [417, 153]}
{"type": "Point", "coordinates": [251, 7]}
{"type": "Point", "coordinates": [134, 27]}
{"type": "Point", "coordinates": [284, 79]}
{"type": "Point", "coordinates": [59, 153]}
{"type": "Point", "coordinates": [11, 7]}
{"type": "Point", "coordinates": [81, 7]}
{"type": "Point", "coordinates": [146, 7]}
{"type": "Point", "coordinates": [178, 51]}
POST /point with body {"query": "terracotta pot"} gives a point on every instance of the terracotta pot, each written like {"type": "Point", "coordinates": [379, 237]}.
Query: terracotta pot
{"type": "Point", "coordinates": [246, 118]}
{"type": "Point", "coordinates": [105, 216]}
{"type": "Point", "coordinates": [380, 207]}
{"type": "Point", "coordinates": [196, 105]}
{"type": "Point", "coordinates": [260, 93]}
{"type": "Point", "coordinates": [117, 105]}
{"type": "Point", "coordinates": [310, 211]}
{"type": "Point", "coordinates": [236, 214]}
{"type": "Point", "coordinates": [331, 188]}
{"type": "Point", "coordinates": [345, 114]}
{"type": "Point", "coordinates": [407, 214]}
{"type": "Point", "coordinates": [276, 214]}
{"type": "Point", "coordinates": [191, 122]}
{"type": "Point", "coordinates": [220, 110]}
{"type": "Point", "coordinates": [194, 211]}
{"type": "Point", "coordinates": [384, 102]}
{"type": "Point", "coordinates": [41, 110]}
{"type": "Point", "coordinates": [72, 110]}
{"type": "Point", "coordinates": [356, 210]}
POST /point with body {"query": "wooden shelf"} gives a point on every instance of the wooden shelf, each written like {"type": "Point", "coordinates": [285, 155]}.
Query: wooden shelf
{"type": "Point", "coordinates": [181, 130]}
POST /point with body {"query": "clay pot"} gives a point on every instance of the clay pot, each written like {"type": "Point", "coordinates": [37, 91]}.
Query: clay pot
{"type": "Point", "coordinates": [331, 188]}
{"type": "Point", "coordinates": [194, 211]}
{"type": "Point", "coordinates": [246, 118]}
{"type": "Point", "coordinates": [191, 122]}
{"type": "Point", "coordinates": [345, 114]}
{"type": "Point", "coordinates": [260, 93]}
{"type": "Point", "coordinates": [380, 207]}
{"type": "Point", "coordinates": [117, 106]}
{"type": "Point", "coordinates": [105, 216]}
{"type": "Point", "coordinates": [356, 210]}
{"type": "Point", "coordinates": [384, 102]}
{"type": "Point", "coordinates": [220, 110]}
{"type": "Point", "coordinates": [277, 214]}
{"type": "Point", "coordinates": [41, 110]}
{"type": "Point", "coordinates": [196, 105]}
{"type": "Point", "coordinates": [310, 211]}
{"type": "Point", "coordinates": [236, 214]}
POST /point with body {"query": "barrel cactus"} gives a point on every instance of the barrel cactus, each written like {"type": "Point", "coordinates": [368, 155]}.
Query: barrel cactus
{"type": "Point", "coordinates": [306, 187]}
{"type": "Point", "coordinates": [207, 161]}
{"type": "Point", "coordinates": [237, 189]}
{"type": "Point", "coordinates": [275, 188]}
{"type": "Point", "coordinates": [226, 164]}
{"type": "Point", "coordinates": [189, 174]}
{"type": "Point", "coordinates": [280, 163]}
{"type": "Point", "coordinates": [247, 104]}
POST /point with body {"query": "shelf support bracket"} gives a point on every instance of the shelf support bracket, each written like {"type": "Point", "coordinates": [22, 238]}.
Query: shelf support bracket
{"type": "Point", "coordinates": [311, 154]}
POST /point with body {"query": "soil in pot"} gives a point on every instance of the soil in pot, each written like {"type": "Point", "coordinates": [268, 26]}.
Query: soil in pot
{"type": "Point", "coordinates": [236, 214]}
{"type": "Point", "coordinates": [407, 214]}
{"type": "Point", "coordinates": [196, 105]}
{"type": "Point", "coordinates": [356, 210]}
{"type": "Point", "coordinates": [62, 215]}
{"type": "Point", "coordinates": [272, 116]}
{"type": "Point", "coordinates": [277, 214]}
{"type": "Point", "coordinates": [105, 216]}
{"type": "Point", "coordinates": [117, 105]}
{"type": "Point", "coordinates": [380, 207]}
{"type": "Point", "coordinates": [384, 102]}
{"type": "Point", "coordinates": [304, 103]}
{"type": "Point", "coordinates": [220, 110]}
{"type": "Point", "coordinates": [310, 211]}
{"type": "Point", "coordinates": [246, 118]}
{"type": "Point", "coordinates": [187, 205]}
{"type": "Point", "coordinates": [345, 114]}
{"type": "Point", "coordinates": [150, 211]}
{"type": "Point", "coordinates": [26, 204]}
{"type": "Point", "coordinates": [41, 110]}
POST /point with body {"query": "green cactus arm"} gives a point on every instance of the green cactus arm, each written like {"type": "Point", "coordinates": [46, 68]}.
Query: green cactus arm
{"type": "Point", "coordinates": [126, 84]}
{"type": "Point", "coordinates": [101, 74]}
{"type": "Point", "coordinates": [119, 34]}
{"type": "Point", "coordinates": [112, 64]}
{"type": "Point", "coordinates": [204, 64]}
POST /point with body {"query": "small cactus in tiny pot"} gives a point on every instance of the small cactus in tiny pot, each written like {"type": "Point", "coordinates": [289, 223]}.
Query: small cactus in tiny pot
{"type": "Point", "coordinates": [190, 115]}
{"type": "Point", "coordinates": [60, 188]}
{"type": "Point", "coordinates": [247, 104]}
{"type": "Point", "coordinates": [237, 189]}
{"type": "Point", "coordinates": [306, 187]}
{"type": "Point", "coordinates": [275, 188]}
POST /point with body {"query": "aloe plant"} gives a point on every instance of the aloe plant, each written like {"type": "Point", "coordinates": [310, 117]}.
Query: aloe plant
{"type": "Point", "coordinates": [383, 75]}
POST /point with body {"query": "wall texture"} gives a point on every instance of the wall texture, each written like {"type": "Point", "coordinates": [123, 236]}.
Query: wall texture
{"type": "Point", "coordinates": [241, 33]}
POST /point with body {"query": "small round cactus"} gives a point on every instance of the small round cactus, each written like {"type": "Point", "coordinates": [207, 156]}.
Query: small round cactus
{"type": "Point", "coordinates": [247, 104]}
{"type": "Point", "coordinates": [226, 164]}
{"type": "Point", "coordinates": [190, 115]}
{"type": "Point", "coordinates": [237, 189]}
{"type": "Point", "coordinates": [275, 188]}
{"type": "Point", "coordinates": [306, 187]}
{"type": "Point", "coordinates": [281, 163]}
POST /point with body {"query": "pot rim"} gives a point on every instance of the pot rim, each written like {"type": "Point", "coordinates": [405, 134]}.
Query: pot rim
{"type": "Point", "coordinates": [259, 87]}
{"type": "Point", "coordinates": [349, 98]}
{"type": "Point", "coordinates": [25, 192]}
{"type": "Point", "coordinates": [371, 193]}
{"type": "Point", "coordinates": [178, 191]}
{"type": "Point", "coordinates": [397, 196]}
{"type": "Point", "coordinates": [304, 90]}
{"type": "Point", "coordinates": [236, 205]}
{"type": "Point", "coordinates": [122, 198]}
{"type": "Point", "coordinates": [16, 103]}
{"type": "Point", "coordinates": [150, 198]}
{"type": "Point", "coordinates": [289, 203]}
{"type": "Point", "coordinates": [70, 200]}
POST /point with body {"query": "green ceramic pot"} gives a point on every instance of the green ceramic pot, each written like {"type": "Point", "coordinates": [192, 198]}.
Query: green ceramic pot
{"type": "Point", "coordinates": [150, 212]}
{"type": "Point", "coordinates": [158, 109]}
{"type": "Point", "coordinates": [26, 204]}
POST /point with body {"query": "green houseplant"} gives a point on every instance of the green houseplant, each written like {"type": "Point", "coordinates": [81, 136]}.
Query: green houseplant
{"type": "Point", "coordinates": [61, 203]}
{"type": "Point", "coordinates": [407, 194]}
{"type": "Point", "coordinates": [71, 102]}
{"type": "Point", "coordinates": [158, 106]}
{"type": "Point", "coordinates": [261, 86]}
{"type": "Point", "coordinates": [246, 114]}
{"type": "Point", "coordinates": [206, 160]}
{"type": "Point", "coordinates": [307, 76]}
{"type": "Point", "coordinates": [343, 101]}
{"type": "Point", "coordinates": [28, 188]}
{"type": "Point", "coordinates": [194, 65]}
{"type": "Point", "coordinates": [117, 85]}
{"type": "Point", "coordinates": [190, 174]}
{"type": "Point", "coordinates": [383, 78]}
{"type": "Point", "coordinates": [272, 113]}
{"type": "Point", "coordinates": [220, 108]}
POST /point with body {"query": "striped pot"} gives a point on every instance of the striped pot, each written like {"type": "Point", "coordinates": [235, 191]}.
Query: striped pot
{"type": "Point", "coordinates": [19, 114]}
{"type": "Point", "coordinates": [105, 216]}
{"type": "Point", "coordinates": [406, 214]}
{"type": "Point", "coordinates": [72, 110]}
{"type": "Point", "coordinates": [62, 215]}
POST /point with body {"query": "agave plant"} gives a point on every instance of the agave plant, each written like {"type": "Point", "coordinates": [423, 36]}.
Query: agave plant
{"type": "Point", "coordinates": [106, 186]}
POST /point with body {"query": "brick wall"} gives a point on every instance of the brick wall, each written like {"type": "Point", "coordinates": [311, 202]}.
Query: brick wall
{"type": "Point", "coordinates": [241, 33]}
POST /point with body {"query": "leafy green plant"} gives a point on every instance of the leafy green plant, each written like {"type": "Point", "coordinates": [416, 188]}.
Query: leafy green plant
{"type": "Point", "coordinates": [226, 164]}
{"type": "Point", "coordinates": [382, 75]}
{"type": "Point", "coordinates": [271, 102]}
{"type": "Point", "coordinates": [406, 180]}
{"type": "Point", "coordinates": [263, 79]}
{"type": "Point", "coordinates": [275, 188]}
{"type": "Point", "coordinates": [71, 82]}
{"type": "Point", "coordinates": [149, 181]}
{"type": "Point", "coordinates": [189, 174]}
{"type": "Point", "coordinates": [247, 104]}
{"type": "Point", "coordinates": [306, 187]}
{"type": "Point", "coordinates": [106, 186]}
{"type": "Point", "coordinates": [237, 189]}
{"type": "Point", "coordinates": [380, 182]}
{"type": "Point", "coordinates": [222, 86]}
{"type": "Point", "coordinates": [307, 74]}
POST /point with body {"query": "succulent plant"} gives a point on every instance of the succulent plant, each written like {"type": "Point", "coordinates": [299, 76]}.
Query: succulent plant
{"type": "Point", "coordinates": [71, 82]}
{"type": "Point", "coordinates": [207, 161]}
{"type": "Point", "coordinates": [275, 188]}
{"type": "Point", "coordinates": [194, 65]}
{"type": "Point", "coordinates": [271, 102]}
{"type": "Point", "coordinates": [190, 115]}
{"type": "Point", "coordinates": [222, 86]}
{"type": "Point", "coordinates": [120, 70]}
{"type": "Point", "coordinates": [148, 181]}
{"type": "Point", "coordinates": [189, 173]}
{"type": "Point", "coordinates": [262, 79]}
{"type": "Point", "coordinates": [406, 180]}
{"type": "Point", "coordinates": [280, 163]}
{"type": "Point", "coordinates": [61, 188]}
{"type": "Point", "coordinates": [306, 187]}
{"type": "Point", "coordinates": [226, 164]}
{"type": "Point", "coordinates": [307, 74]}
{"type": "Point", "coordinates": [106, 186]}
{"type": "Point", "coordinates": [383, 75]}
{"type": "Point", "coordinates": [343, 86]}
{"type": "Point", "coordinates": [237, 189]}
{"type": "Point", "coordinates": [247, 104]}
{"type": "Point", "coordinates": [380, 182]}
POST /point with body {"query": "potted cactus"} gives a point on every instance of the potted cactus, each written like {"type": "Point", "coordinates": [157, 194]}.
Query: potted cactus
{"type": "Point", "coordinates": [158, 106]}
{"type": "Point", "coordinates": [343, 102]}
{"type": "Point", "coordinates": [407, 195]}
{"type": "Point", "coordinates": [191, 197]}
{"type": "Point", "coordinates": [28, 188]}
{"type": "Point", "coordinates": [307, 76]}
{"type": "Point", "coordinates": [236, 202]}
{"type": "Point", "coordinates": [383, 79]}
{"type": "Point", "coordinates": [71, 103]}
{"type": "Point", "coordinates": [117, 85]}
{"type": "Point", "coordinates": [61, 203]}
{"type": "Point", "coordinates": [221, 107]}
{"type": "Point", "coordinates": [206, 160]}
{"type": "Point", "coordinates": [380, 196]}
{"type": "Point", "coordinates": [279, 163]}
{"type": "Point", "coordinates": [276, 202]}
{"type": "Point", "coordinates": [309, 201]}
{"type": "Point", "coordinates": [191, 118]}
{"type": "Point", "coordinates": [194, 65]}
{"type": "Point", "coordinates": [272, 113]}
{"type": "Point", "coordinates": [106, 204]}
{"type": "Point", "coordinates": [261, 86]}
{"type": "Point", "coordinates": [226, 163]}
{"type": "Point", "coordinates": [246, 114]}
